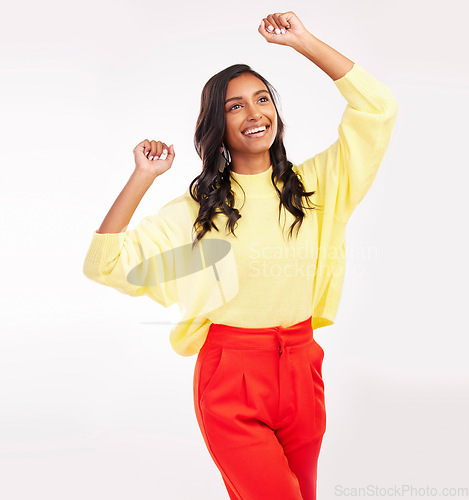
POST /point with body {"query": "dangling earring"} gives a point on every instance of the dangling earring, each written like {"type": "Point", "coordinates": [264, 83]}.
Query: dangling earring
{"type": "Point", "coordinates": [226, 155]}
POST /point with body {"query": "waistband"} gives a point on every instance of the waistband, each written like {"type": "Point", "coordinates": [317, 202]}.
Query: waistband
{"type": "Point", "coordinates": [233, 337]}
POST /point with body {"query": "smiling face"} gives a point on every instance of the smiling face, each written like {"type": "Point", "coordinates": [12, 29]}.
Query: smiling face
{"type": "Point", "coordinates": [248, 106]}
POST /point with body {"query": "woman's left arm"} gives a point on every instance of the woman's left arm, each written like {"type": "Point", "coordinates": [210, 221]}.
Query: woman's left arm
{"type": "Point", "coordinates": [287, 29]}
{"type": "Point", "coordinates": [343, 173]}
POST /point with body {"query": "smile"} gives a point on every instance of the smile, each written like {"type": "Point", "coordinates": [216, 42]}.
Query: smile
{"type": "Point", "coordinates": [255, 132]}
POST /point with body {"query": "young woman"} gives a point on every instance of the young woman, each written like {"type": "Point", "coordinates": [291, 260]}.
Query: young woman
{"type": "Point", "coordinates": [250, 298]}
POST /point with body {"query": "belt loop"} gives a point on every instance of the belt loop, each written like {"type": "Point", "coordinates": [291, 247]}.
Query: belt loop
{"type": "Point", "coordinates": [280, 339]}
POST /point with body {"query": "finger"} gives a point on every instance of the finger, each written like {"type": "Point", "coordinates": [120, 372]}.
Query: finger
{"type": "Point", "coordinates": [273, 23]}
{"type": "Point", "coordinates": [171, 153]}
{"type": "Point", "coordinates": [268, 35]}
{"type": "Point", "coordinates": [164, 151]}
{"type": "Point", "coordinates": [161, 151]}
{"type": "Point", "coordinates": [261, 27]}
{"type": "Point", "coordinates": [151, 153]}
{"type": "Point", "coordinates": [157, 150]}
{"type": "Point", "coordinates": [281, 21]}
{"type": "Point", "coordinates": [140, 145]}
{"type": "Point", "coordinates": [268, 26]}
{"type": "Point", "coordinates": [146, 147]}
{"type": "Point", "coordinates": [283, 18]}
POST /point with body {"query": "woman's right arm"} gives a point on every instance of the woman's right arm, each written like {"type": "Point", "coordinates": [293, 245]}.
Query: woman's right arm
{"type": "Point", "coordinates": [148, 166]}
{"type": "Point", "coordinates": [116, 253]}
{"type": "Point", "coordinates": [121, 212]}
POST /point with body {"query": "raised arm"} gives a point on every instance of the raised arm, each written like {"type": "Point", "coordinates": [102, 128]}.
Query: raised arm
{"type": "Point", "coordinates": [148, 166]}
{"type": "Point", "coordinates": [139, 261]}
{"type": "Point", "coordinates": [343, 173]}
{"type": "Point", "coordinates": [287, 29]}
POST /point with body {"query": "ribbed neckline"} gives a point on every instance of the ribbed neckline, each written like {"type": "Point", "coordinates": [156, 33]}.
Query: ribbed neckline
{"type": "Point", "coordinates": [254, 185]}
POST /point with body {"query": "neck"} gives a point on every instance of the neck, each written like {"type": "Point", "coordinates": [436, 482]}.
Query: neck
{"type": "Point", "coordinates": [246, 164]}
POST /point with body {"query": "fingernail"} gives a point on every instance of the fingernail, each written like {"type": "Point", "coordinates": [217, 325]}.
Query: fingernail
{"type": "Point", "coordinates": [282, 31]}
{"type": "Point", "coordinates": [270, 28]}
{"type": "Point", "coordinates": [150, 157]}
{"type": "Point", "coordinates": [277, 31]}
{"type": "Point", "coordinates": [156, 158]}
{"type": "Point", "coordinates": [165, 151]}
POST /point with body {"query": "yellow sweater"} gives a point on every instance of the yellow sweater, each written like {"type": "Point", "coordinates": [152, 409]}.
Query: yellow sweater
{"type": "Point", "coordinates": [260, 278]}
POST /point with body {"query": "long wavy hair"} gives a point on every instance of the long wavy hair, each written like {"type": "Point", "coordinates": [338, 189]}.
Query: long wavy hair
{"type": "Point", "coordinates": [212, 188]}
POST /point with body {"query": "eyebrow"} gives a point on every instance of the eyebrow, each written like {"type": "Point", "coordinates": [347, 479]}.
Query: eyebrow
{"type": "Point", "coordinates": [236, 98]}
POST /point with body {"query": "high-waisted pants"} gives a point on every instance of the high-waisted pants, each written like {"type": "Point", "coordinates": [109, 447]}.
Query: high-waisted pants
{"type": "Point", "coordinates": [259, 403]}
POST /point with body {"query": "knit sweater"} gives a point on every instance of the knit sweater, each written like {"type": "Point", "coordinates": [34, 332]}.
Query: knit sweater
{"type": "Point", "coordinates": [259, 277]}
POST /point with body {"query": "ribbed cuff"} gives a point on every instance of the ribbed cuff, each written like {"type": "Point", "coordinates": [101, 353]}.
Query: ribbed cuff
{"type": "Point", "coordinates": [361, 89]}
{"type": "Point", "coordinates": [105, 247]}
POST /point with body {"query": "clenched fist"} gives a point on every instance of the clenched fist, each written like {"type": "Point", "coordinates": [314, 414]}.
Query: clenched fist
{"type": "Point", "coordinates": [282, 28]}
{"type": "Point", "coordinates": [153, 157]}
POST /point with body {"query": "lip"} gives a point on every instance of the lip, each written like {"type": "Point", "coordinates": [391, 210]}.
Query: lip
{"type": "Point", "coordinates": [258, 134]}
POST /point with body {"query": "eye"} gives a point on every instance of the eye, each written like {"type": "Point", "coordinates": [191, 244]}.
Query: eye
{"type": "Point", "coordinates": [234, 105]}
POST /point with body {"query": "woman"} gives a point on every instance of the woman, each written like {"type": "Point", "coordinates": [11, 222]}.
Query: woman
{"type": "Point", "coordinates": [250, 298]}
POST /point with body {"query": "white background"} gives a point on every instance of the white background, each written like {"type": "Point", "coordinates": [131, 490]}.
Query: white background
{"type": "Point", "coordinates": [94, 403]}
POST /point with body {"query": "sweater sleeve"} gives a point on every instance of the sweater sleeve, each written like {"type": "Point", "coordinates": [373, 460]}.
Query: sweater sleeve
{"type": "Point", "coordinates": [344, 172]}
{"type": "Point", "coordinates": [135, 262]}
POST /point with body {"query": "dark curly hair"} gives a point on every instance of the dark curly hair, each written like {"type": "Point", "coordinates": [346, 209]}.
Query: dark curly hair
{"type": "Point", "coordinates": [212, 188]}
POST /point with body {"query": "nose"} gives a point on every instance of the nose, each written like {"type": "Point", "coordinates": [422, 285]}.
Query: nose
{"type": "Point", "coordinates": [253, 113]}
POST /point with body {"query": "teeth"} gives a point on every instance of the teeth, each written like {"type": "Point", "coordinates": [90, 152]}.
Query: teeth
{"type": "Point", "coordinates": [255, 130]}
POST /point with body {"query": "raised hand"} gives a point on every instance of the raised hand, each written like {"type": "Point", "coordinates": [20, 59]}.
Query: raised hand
{"type": "Point", "coordinates": [282, 28]}
{"type": "Point", "coordinates": [153, 157]}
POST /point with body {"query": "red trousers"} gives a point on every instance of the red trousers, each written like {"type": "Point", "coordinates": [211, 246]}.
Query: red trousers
{"type": "Point", "coordinates": [259, 403]}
